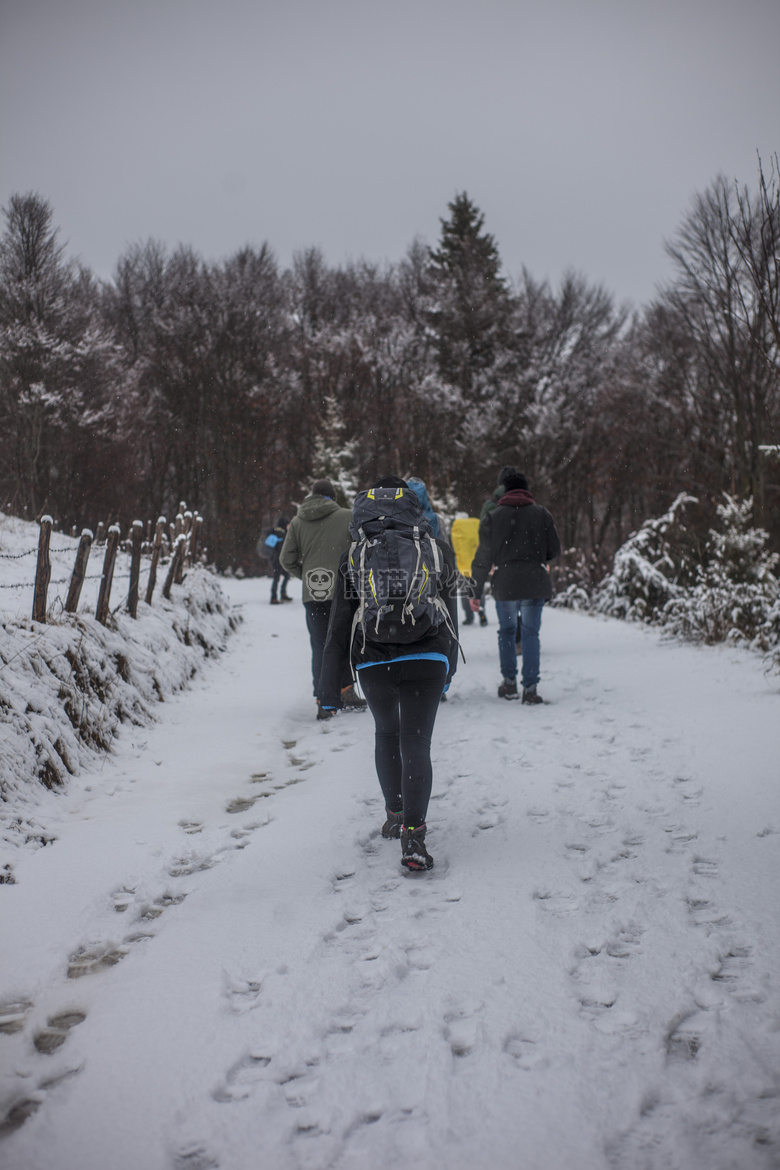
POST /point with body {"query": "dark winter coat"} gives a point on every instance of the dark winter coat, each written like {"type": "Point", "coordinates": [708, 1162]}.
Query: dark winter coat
{"type": "Point", "coordinates": [519, 538]}
{"type": "Point", "coordinates": [342, 612]}
{"type": "Point", "coordinates": [317, 536]}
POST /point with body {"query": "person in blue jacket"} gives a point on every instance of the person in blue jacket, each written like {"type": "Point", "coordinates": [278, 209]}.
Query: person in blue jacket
{"type": "Point", "coordinates": [273, 543]}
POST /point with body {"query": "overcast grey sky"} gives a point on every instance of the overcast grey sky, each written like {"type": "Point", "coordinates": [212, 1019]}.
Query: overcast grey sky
{"type": "Point", "coordinates": [582, 128]}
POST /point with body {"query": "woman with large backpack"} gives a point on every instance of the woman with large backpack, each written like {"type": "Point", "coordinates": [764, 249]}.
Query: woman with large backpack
{"type": "Point", "coordinates": [395, 613]}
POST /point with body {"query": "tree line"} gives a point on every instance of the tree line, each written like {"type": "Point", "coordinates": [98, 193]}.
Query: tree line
{"type": "Point", "coordinates": [231, 383]}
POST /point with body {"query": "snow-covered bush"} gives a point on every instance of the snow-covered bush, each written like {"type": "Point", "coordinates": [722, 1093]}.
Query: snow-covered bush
{"type": "Point", "coordinates": [656, 565]}
{"type": "Point", "coordinates": [735, 596]}
{"type": "Point", "coordinates": [722, 590]}
{"type": "Point", "coordinates": [573, 575]}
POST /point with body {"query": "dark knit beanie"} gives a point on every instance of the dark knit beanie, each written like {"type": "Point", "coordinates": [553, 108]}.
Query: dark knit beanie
{"type": "Point", "coordinates": [390, 481]}
{"type": "Point", "coordinates": [504, 472]}
{"type": "Point", "coordinates": [323, 487]}
{"type": "Point", "coordinates": [514, 481]}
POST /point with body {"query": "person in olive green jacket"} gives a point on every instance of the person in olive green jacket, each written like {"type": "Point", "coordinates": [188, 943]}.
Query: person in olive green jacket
{"type": "Point", "coordinates": [317, 537]}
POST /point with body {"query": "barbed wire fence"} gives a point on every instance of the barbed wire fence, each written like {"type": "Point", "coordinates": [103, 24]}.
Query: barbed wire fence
{"type": "Point", "coordinates": [177, 543]}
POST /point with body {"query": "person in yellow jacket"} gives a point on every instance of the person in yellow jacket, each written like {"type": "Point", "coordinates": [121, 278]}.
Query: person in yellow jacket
{"type": "Point", "coordinates": [464, 537]}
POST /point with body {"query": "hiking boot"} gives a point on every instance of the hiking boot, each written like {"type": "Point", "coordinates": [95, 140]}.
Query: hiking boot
{"type": "Point", "coordinates": [391, 829]}
{"type": "Point", "coordinates": [275, 601]}
{"type": "Point", "coordinates": [508, 689]}
{"type": "Point", "coordinates": [351, 699]}
{"type": "Point", "coordinates": [286, 597]}
{"type": "Point", "coordinates": [324, 712]}
{"type": "Point", "coordinates": [530, 696]}
{"type": "Point", "coordinates": [414, 855]}
{"type": "Point", "coordinates": [482, 618]}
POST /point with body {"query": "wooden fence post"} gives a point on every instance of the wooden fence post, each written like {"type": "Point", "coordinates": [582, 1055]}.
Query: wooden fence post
{"type": "Point", "coordinates": [173, 569]}
{"type": "Point", "coordinates": [135, 567]}
{"type": "Point", "coordinates": [158, 537]}
{"type": "Point", "coordinates": [108, 574]}
{"type": "Point", "coordinates": [100, 537]}
{"type": "Point", "coordinates": [197, 521]}
{"type": "Point", "coordinates": [79, 571]}
{"type": "Point", "coordinates": [42, 571]}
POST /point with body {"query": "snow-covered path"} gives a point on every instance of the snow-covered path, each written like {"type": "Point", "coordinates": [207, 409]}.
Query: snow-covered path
{"type": "Point", "coordinates": [240, 976]}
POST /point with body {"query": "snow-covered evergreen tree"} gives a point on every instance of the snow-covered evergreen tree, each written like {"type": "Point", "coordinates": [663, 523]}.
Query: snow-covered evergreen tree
{"type": "Point", "coordinates": [735, 597]}
{"type": "Point", "coordinates": [335, 457]}
{"type": "Point", "coordinates": [654, 566]}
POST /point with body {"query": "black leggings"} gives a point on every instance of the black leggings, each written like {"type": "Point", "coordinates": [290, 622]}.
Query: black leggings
{"type": "Point", "coordinates": [404, 698]}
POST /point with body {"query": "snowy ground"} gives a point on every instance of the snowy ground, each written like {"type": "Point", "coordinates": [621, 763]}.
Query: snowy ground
{"type": "Point", "coordinates": [220, 964]}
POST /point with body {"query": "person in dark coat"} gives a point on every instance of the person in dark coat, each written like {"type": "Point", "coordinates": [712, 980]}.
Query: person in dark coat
{"type": "Point", "coordinates": [273, 542]}
{"type": "Point", "coordinates": [519, 538]}
{"type": "Point", "coordinates": [403, 684]}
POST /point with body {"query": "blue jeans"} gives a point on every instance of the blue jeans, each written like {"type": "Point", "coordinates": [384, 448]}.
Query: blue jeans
{"type": "Point", "coordinates": [530, 612]}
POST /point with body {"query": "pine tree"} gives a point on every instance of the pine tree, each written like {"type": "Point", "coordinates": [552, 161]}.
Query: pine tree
{"type": "Point", "coordinates": [334, 457]}
{"type": "Point", "coordinates": [471, 301]}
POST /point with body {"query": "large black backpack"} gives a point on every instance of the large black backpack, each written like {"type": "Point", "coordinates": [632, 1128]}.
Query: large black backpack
{"type": "Point", "coordinates": [395, 568]}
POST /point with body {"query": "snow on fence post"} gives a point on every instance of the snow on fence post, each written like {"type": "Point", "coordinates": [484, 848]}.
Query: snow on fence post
{"type": "Point", "coordinates": [158, 538]}
{"type": "Point", "coordinates": [112, 543]}
{"type": "Point", "coordinates": [135, 567]}
{"type": "Point", "coordinates": [176, 559]}
{"type": "Point", "coordinates": [187, 522]}
{"type": "Point", "coordinates": [79, 571]}
{"type": "Point", "coordinates": [42, 571]}
{"type": "Point", "coordinates": [100, 537]}
{"type": "Point", "coordinates": [197, 521]}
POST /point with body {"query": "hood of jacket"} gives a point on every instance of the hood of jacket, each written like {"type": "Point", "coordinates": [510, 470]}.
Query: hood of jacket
{"type": "Point", "coordinates": [420, 490]}
{"type": "Point", "coordinates": [517, 498]}
{"type": "Point", "coordinates": [317, 508]}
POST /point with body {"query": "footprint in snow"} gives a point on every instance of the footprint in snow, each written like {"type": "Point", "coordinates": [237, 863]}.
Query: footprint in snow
{"type": "Point", "coordinates": [736, 972]}
{"type": "Point", "coordinates": [242, 994]}
{"type": "Point", "coordinates": [88, 960]}
{"type": "Point", "coordinates": [195, 1157]}
{"type": "Point", "coordinates": [13, 1014]}
{"type": "Point", "coordinates": [191, 827]}
{"type": "Point", "coordinates": [703, 912]}
{"type": "Point", "coordinates": [25, 1106]}
{"type": "Point", "coordinates": [240, 804]}
{"type": "Point", "coordinates": [123, 898]}
{"type": "Point", "coordinates": [525, 1052]}
{"type": "Point", "coordinates": [241, 1078]}
{"type": "Point", "coordinates": [555, 901]}
{"type": "Point", "coordinates": [154, 909]}
{"type": "Point", "coordinates": [185, 866]}
{"type": "Point", "coordinates": [685, 1037]}
{"type": "Point", "coordinates": [54, 1035]}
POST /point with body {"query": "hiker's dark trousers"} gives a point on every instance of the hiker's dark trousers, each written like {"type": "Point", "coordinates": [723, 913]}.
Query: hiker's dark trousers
{"type": "Point", "coordinates": [404, 698]}
{"type": "Point", "coordinates": [317, 618]}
